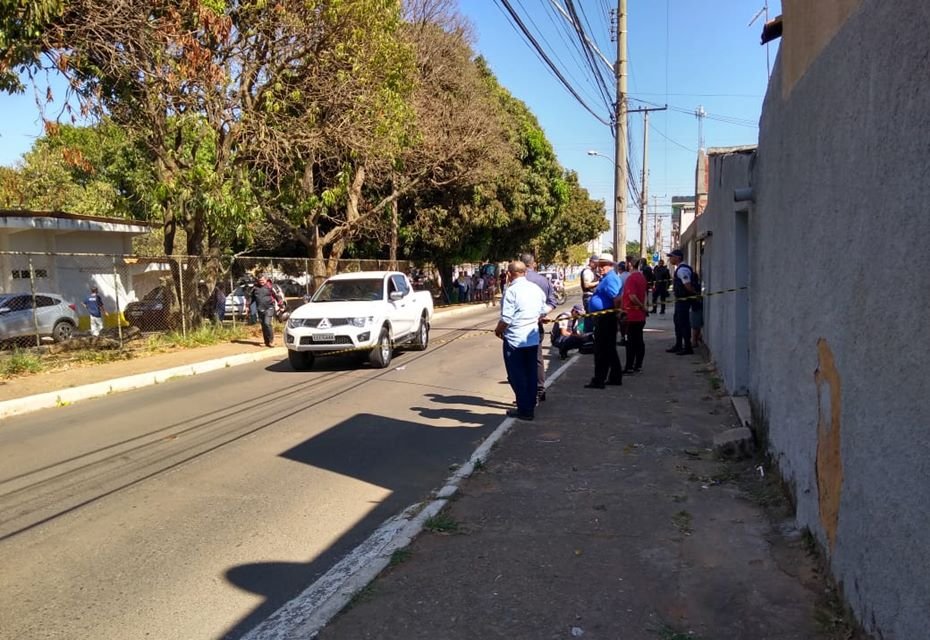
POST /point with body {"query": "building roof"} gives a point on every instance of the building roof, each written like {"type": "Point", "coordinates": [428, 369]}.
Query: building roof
{"type": "Point", "coordinates": [682, 199]}
{"type": "Point", "coordinates": [719, 151]}
{"type": "Point", "coordinates": [62, 220]}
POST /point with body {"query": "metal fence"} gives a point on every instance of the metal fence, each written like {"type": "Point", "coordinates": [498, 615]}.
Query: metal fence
{"type": "Point", "coordinates": [53, 297]}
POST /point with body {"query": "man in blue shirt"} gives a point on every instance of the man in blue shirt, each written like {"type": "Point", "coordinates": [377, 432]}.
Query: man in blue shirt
{"type": "Point", "coordinates": [607, 369]}
{"type": "Point", "coordinates": [522, 308]}
{"type": "Point", "coordinates": [94, 305]}
{"type": "Point", "coordinates": [543, 283]}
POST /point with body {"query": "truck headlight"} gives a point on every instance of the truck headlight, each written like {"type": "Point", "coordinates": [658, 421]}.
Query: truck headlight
{"type": "Point", "coordinates": [361, 323]}
{"type": "Point", "coordinates": [293, 323]}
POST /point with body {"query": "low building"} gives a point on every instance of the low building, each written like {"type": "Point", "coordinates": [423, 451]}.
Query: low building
{"type": "Point", "coordinates": [68, 253]}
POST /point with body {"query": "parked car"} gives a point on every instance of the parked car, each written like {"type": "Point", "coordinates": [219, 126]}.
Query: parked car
{"type": "Point", "coordinates": [238, 301]}
{"type": "Point", "coordinates": [158, 310]}
{"type": "Point", "coordinates": [558, 285]}
{"type": "Point", "coordinates": [369, 312]}
{"type": "Point", "coordinates": [56, 318]}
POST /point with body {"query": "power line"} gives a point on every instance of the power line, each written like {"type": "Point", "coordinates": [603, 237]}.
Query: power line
{"type": "Point", "coordinates": [505, 4]}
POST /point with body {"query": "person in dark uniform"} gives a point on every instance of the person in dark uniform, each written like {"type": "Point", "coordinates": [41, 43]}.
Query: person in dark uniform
{"type": "Point", "coordinates": [266, 303]}
{"type": "Point", "coordinates": [660, 286]}
{"type": "Point", "coordinates": [683, 286]}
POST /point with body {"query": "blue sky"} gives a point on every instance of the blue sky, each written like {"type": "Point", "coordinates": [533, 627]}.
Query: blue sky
{"type": "Point", "coordinates": [683, 53]}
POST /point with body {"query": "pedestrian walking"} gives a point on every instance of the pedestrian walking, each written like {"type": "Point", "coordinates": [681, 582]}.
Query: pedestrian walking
{"type": "Point", "coordinates": [607, 368]}
{"type": "Point", "coordinates": [633, 302]}
{"type": "Point", "coordinates": [660, 287]}
{"type": "Point", "coordinates": [219, 303]}
{"type": "Point", "coordinates": [545, 286]}
{"type": "Point", "coordinates": [266, 302]}
{"type": "Point", "coordinates": [683, 288]}
{"type": "Point", "coordinates": [522, 308]}
{"type": "Point", "coordinates": [94, 305]}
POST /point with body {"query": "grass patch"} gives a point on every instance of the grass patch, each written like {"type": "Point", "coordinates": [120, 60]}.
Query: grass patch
{"type": "Point", "coordinates": [20, 363]}
{"type": "Point", "coordinates": [442, 523]}
{"type": "Point", "coordinates": [364, 594]}
{"type": "Point", "coordinates": [399, 556]}
{"type": "Point", "coordinates": [202, 336]}
{"type": "Point", "coordinates": [682, 521]}
{"type": "Point", "coordinates": [715, 383]}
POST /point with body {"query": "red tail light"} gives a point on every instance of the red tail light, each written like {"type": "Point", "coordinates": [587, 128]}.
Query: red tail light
{"type": "Point", "coordinates": [73, 307]}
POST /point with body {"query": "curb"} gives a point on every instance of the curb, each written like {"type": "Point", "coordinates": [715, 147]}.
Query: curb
{"type": "Point", "coordinates": [307, 614]}
{"type": "Point", "coordinates": [62, 397]}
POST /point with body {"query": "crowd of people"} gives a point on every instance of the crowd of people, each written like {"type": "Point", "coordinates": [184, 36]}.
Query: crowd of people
{"type": "Point", "coordinates": [616, 300]}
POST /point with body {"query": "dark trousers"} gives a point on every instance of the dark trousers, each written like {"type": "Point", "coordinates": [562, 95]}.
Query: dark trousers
{"type": "Point", "coordinates": [635, 345]}
{"type": "Point", "coordinates": [567, 343]}
{"type": "Point", "coordinates": [682, 320]}
{"type": "Point", "coordinates": [540, 364]}
{"type": "Point", "coordinates": [266, 317]}
{"type": "Point", "coordinates": [656, 295]}
{"type": "Point", "coordinates": [606, 361]}
{"type": "Point", "coordinates": [520, 363]}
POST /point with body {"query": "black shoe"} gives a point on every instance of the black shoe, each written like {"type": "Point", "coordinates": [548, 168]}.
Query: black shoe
{"type": "Point", "coordinates": [563, 355]}
{"type": "Point", "coordinates": [540, 397]}
{"type": "Point", "coordinates": [628, 372]}
{"type": "Point", "coordinates": [637, 369]}
{"type": "Point", "coordinates": [513, 413]}
{"type": "Point", "coordinates": [661, 313]}
{"type": "Point", "coordinates": [674, 349]}
{"type": "Point", "coordinates": [594, 385]}
{"type": "Point", "coordinates": [685, 352]}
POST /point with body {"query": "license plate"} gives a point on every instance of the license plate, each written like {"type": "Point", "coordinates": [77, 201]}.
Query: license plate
{"type": "Point", "coordinates": [324, 337]}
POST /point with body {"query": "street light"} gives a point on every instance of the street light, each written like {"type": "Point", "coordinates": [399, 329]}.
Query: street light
{"type": "Point", "coordinates": [619, 232]}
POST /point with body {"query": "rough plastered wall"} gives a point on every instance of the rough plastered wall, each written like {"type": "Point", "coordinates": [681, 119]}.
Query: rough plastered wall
{"type": "Point", "coordinates": [841, 292]}
{"type": "Point", "coordinates": [725, 265]}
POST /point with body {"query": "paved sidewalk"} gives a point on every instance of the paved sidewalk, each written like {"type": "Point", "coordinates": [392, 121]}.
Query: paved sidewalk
{"type": "Point", "coordinates": [606, 517]}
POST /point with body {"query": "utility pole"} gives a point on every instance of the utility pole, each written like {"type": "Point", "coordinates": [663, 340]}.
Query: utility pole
{"type": "Point", "coordinates": [620, 159]}
{"type": "Point", "coordinates": [656, 228]}
{"type": "Point", "coordinates": [644, 189]}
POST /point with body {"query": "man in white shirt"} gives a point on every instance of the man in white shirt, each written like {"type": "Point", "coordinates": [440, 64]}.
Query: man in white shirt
{"type": "Point", "coordinates": [522, 308]}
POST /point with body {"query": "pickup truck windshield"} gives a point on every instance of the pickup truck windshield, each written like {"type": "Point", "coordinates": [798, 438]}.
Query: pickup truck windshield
{"type": "Point", "coordinates": [345, 290]}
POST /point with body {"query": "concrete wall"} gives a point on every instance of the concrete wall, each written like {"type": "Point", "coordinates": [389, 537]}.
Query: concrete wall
{"type": "Point", "coordinates": [838, 244]}
{"type": "Point", "coordinates": [724, 264]}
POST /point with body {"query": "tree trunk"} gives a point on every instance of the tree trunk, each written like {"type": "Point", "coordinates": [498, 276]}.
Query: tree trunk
{"type": "Point", "coordinates": [392, 255]}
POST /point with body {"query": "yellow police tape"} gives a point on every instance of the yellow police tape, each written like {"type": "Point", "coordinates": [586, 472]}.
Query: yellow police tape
{"type": "Point", "coordinates": [472, 332]}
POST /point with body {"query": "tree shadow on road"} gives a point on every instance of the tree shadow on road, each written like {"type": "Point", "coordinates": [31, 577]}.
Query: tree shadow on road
{"type": "Point", "coordinates": [407, 458]}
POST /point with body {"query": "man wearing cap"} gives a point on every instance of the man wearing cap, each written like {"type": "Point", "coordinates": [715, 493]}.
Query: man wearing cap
{"type": "Point", "coordinates": [607, 369]}
{"type": "Point", "coordinates": [566, 334]}
{"type": "Point", "coordinates": [589, 279]}
{"type": "Point", "coordinates": [522, 308]}
{"type": "Point", "coordinates": [683, 288]}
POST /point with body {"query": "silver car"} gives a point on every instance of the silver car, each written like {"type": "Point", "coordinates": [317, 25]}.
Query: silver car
{"type": "Point", "coordinates": [56, 318]}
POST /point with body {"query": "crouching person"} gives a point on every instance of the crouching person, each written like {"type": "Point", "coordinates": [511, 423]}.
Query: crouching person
{"type": "Point", "coordinates": [567, 333]}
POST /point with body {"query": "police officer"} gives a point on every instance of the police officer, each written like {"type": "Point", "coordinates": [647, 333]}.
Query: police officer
{"type": "Point", "coordinates": [684, 286]}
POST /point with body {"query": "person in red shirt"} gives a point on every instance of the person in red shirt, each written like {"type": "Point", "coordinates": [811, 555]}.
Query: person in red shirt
{"type": "Point", "coordinates": [633, 302]}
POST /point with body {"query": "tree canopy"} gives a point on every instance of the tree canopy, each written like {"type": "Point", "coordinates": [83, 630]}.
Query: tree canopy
{"type": "Point", "coordinates": [342, 127]}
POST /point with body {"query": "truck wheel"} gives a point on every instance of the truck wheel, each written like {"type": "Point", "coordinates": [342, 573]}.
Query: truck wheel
{"type": "Point", "coordinates": [300, 360]}
{"type": "Point", "coordinates": [422, 339]}
{"type": "Point", "coordinates": [380, 356]}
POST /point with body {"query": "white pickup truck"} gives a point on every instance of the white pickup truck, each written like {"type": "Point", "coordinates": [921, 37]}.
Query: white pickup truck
{"type": "Point", "coordinates": [370, 312]}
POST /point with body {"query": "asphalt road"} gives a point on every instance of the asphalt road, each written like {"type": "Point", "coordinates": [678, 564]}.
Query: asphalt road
{"type": "Point", "coordinates": [195, 508]}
